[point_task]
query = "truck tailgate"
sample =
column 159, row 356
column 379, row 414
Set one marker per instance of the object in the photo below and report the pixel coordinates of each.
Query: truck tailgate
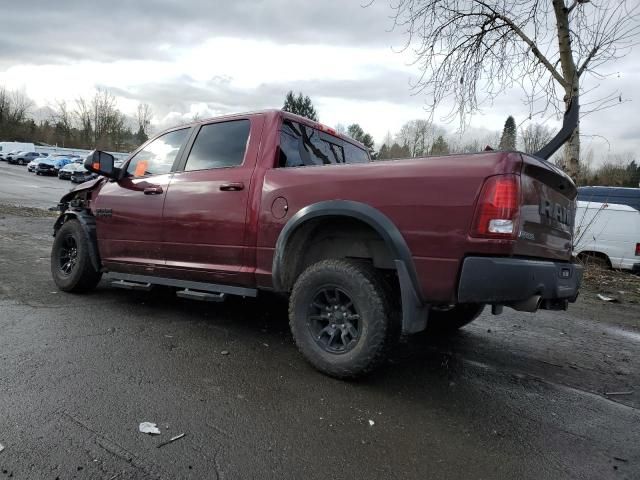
column 547, row 211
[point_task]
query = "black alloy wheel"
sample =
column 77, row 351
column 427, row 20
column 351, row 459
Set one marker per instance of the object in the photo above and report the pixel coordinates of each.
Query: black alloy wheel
column 333, row 320
column 68, row 255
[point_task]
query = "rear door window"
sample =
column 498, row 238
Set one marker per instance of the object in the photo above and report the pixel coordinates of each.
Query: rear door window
column 219, row 145
column 158, row 156
column 355, row 154
column 301, row 145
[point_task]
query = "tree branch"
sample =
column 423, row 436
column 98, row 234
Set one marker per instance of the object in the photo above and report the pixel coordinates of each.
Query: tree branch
column 525, row 38
column 584, row 65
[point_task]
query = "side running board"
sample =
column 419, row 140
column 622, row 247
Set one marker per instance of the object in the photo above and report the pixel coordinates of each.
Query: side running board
column 211, row 292
column 202, row 296
column 131, row 285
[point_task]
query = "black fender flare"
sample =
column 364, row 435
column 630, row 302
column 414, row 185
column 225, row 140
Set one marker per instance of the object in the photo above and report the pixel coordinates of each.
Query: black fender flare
column 414, row 309
column 88, row 223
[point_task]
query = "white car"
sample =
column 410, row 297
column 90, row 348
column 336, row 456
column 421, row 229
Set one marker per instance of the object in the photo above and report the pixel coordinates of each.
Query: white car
column 609, row 234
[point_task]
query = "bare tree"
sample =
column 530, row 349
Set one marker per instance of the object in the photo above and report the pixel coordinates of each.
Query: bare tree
column 418, row 136
column 83, row 114
column 472, row 50
column 5, row 105
column 143, row 119
column 19, row 107
column 106, row 116
column 63, row 120
column 534, row 137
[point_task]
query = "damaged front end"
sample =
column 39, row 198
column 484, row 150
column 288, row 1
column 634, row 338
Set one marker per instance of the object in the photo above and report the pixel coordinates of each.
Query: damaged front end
column 78, row 198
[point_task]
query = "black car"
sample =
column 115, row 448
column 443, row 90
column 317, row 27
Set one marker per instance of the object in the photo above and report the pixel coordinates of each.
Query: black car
column 24, row 158
column 46, row 167
column 82, row 176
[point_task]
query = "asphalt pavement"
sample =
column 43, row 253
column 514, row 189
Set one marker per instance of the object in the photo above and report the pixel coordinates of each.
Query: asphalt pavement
column 18, row 186
column 531, row 396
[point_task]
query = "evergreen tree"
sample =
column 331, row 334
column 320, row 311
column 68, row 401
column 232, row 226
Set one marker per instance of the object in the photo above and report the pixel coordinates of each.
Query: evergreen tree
column 396, row 151
column 300, row 105
column 633, row 175
column 508, row 139
column 440, row 146
column 356, row 132
column 383, row 153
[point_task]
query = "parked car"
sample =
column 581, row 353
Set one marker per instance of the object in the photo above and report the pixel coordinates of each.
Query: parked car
column 608, row 234
column 68, row 170
column 365, row 251
column 60, row 162
column 11, row 155
column 46, row 166
column 82, row 175
column 23, row 158
column 31, row 166
column 618, row 195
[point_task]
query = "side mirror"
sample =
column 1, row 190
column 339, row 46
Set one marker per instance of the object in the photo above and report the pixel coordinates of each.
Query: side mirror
column 101, row 163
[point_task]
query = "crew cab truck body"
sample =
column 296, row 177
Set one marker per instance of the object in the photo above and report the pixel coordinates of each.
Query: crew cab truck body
column 366, row 251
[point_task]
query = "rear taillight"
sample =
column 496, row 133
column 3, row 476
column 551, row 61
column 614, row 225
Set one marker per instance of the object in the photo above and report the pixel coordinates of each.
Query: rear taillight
column 498, row 207
column 637, row 249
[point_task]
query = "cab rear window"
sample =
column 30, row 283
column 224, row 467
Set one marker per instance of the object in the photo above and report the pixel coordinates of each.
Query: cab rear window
column 301, row 145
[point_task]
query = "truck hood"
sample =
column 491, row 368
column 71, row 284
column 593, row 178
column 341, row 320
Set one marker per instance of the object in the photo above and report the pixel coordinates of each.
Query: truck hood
column 86, row 186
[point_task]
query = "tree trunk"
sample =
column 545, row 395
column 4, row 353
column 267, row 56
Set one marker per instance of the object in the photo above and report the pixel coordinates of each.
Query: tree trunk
column 572, row 155
column 571, row 86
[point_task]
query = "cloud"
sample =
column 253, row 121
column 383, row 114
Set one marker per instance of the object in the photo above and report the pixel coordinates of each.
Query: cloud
column 211, row 57
column 75, row 30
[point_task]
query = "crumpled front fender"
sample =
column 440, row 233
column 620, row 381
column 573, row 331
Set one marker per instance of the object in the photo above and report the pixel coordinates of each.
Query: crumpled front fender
column 83, row 187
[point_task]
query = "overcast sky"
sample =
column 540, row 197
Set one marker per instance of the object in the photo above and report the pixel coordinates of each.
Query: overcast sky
column 209, row 57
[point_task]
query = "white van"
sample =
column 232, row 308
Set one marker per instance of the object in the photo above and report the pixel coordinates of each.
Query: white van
column 6, row 147
column 609, row 234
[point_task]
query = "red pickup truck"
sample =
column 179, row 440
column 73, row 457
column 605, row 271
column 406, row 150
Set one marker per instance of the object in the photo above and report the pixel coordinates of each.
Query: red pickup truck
column 365, row 251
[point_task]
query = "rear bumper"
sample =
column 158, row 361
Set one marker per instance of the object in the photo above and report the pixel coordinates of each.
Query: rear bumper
column 503, row 281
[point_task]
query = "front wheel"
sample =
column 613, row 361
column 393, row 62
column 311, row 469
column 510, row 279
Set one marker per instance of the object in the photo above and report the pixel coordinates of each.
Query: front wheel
column 71, row 265
column 340, row 317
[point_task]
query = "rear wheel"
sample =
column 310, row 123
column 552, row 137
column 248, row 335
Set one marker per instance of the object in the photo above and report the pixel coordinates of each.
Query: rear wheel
column 442, row 322
column 340, row 317
column 71, row 264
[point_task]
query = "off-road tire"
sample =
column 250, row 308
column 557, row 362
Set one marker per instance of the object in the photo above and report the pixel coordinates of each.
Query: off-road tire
column 443, row 322
column 370, row 297
column 82, row 276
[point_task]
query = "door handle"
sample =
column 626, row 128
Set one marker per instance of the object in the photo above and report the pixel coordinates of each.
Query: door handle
column 153, row 190
column 232, row 186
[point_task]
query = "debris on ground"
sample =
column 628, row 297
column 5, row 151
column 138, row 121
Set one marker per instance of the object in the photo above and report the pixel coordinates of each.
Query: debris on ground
column 604, row 298
column 171, row 440
column 371, row 423
column 22, row 211
column 150, row 428
column 611, row 283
